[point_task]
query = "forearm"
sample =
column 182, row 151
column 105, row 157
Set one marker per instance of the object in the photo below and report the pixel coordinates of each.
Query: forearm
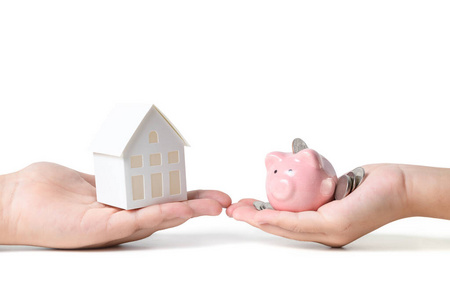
column 428, row 191
column 3, row 183
column 7, row 187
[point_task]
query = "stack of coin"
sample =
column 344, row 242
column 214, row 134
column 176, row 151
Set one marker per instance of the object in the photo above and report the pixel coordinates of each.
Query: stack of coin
column 259, row 205
column 348, row 183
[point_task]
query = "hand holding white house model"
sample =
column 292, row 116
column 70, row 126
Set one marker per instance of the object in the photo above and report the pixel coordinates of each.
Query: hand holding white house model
column 139, row 158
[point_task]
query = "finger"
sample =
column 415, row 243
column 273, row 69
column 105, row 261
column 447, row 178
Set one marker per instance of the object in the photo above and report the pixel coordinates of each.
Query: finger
column 138, row 235
column 243, row 202
column 204, row 207
column 124, row 223
column 246, row 213
column 88, row 177
column 303, row 236
column 230, row 209
column 172, row 218
column 171, row 223
column 264, row 219
column 247, row 201
column 302, row 222
column 141, row 234
column 250, row 215
column 219, row 196
column 152, row 216
column 307, row 221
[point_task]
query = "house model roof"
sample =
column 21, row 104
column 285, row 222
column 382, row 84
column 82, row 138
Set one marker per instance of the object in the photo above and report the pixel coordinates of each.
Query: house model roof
column 120, row 126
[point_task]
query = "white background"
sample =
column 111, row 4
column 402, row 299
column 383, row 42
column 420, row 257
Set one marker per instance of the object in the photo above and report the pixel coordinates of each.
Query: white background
column 360, row 81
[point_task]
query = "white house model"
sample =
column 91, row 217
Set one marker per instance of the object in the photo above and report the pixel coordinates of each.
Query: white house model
column 139, row 158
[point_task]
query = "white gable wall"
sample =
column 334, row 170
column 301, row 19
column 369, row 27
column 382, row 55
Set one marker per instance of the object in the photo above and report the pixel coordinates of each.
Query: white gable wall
column 139, row 145
column 110, row 180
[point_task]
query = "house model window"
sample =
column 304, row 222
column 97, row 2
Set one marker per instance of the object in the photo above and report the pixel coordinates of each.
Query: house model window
column 175, row 187
column 153, row 137
column 137, row 183
column 139, row 158
column 157, row 185
column 173, row 157
column 136, row 161
column 155, row 159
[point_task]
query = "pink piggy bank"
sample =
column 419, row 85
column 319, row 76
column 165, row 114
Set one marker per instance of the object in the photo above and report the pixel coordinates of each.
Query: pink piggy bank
column 299, row 181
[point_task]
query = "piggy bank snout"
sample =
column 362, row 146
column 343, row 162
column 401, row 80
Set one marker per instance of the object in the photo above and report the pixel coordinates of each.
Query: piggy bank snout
column 281, row 189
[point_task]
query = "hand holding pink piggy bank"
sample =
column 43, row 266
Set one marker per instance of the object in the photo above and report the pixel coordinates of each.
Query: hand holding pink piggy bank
column 299, row 181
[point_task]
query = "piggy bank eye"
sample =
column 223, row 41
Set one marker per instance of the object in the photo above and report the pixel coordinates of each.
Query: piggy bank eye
column 290, row 172
column 275, row 172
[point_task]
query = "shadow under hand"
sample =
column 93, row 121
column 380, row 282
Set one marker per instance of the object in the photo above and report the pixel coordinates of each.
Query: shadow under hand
column 175, row 240
column 388, row 242
column 167, row 240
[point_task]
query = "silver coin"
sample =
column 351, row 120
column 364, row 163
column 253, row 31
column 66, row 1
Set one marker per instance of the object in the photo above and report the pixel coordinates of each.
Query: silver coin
column 352, row 177
column 259, row 205
column 298, row 145
column 267, row 205
column 359, row 176
column 343, row 187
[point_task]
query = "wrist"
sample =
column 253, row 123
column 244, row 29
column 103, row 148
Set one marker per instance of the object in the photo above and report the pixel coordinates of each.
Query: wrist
column 428, row 191
column 7, row 187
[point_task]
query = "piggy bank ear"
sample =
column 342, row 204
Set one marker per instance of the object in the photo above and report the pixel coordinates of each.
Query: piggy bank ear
column 273, row 157
column 310, row 157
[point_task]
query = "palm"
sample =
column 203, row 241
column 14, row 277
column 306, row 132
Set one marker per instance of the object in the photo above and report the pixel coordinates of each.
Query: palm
column 373, row 205
column 378, row 201
column 56, row 207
